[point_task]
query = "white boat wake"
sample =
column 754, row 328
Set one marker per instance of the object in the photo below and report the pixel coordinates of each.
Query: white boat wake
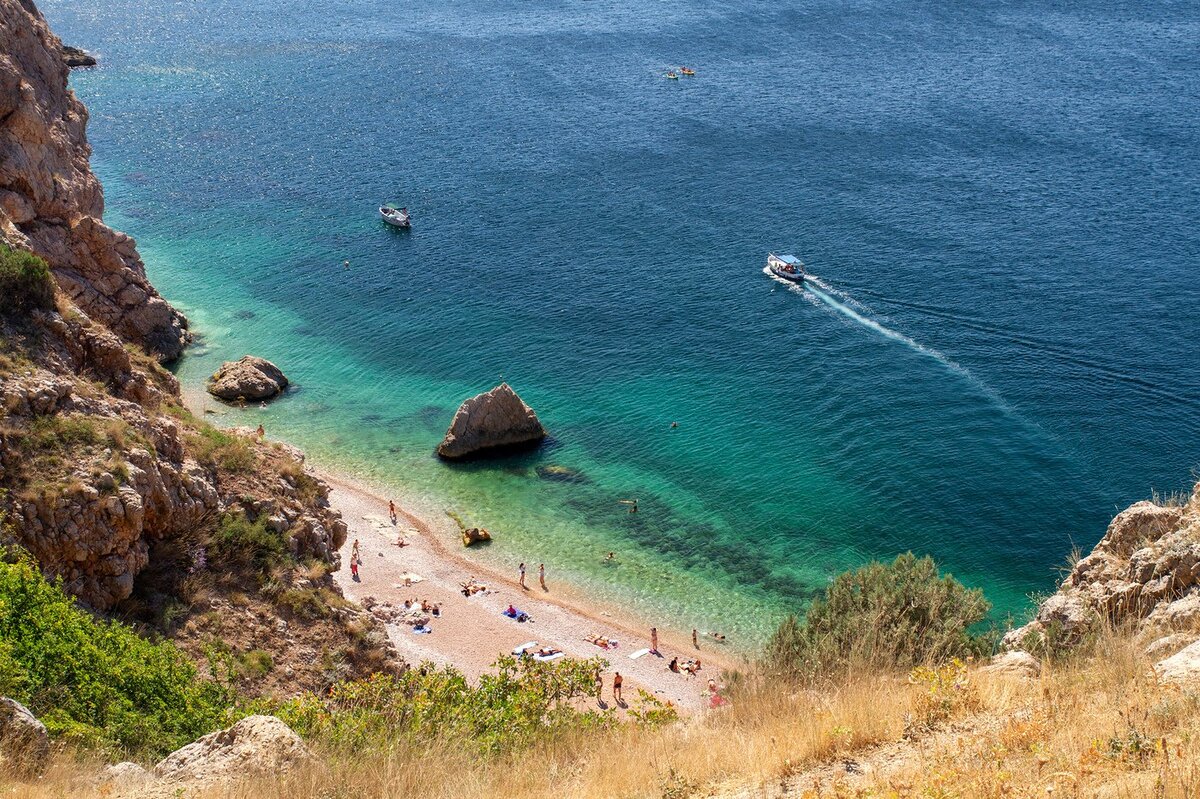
column 814, row 288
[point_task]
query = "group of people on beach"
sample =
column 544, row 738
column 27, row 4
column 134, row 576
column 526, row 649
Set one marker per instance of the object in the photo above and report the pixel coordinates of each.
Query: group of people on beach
column 686, row 666
column 541, row 576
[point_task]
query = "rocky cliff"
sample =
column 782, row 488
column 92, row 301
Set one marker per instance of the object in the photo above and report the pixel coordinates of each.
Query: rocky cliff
column 1144, row 573
column 142, row 510
column 51, row 203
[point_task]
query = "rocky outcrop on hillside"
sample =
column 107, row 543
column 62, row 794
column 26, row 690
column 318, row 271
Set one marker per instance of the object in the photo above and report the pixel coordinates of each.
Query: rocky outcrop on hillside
column 495, row 419
column 52, row 204
column 24, row 741
column 250, row 378
column 130, row 480
column 255, row 746
column 204, row 535
column 1144, row 571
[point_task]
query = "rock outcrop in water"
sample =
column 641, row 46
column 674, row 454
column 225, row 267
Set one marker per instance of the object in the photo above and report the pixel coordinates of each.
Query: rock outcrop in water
column 1144, row 571
column 77, row 57
column 51, row 203
column 250, row 378
column 489, row 421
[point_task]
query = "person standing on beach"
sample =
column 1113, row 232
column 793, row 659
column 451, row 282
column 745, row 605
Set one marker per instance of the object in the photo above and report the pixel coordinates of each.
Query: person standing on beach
column 354, row 570
column 654, row 640
column 542, row 576
column 392, row 511
column 354, row 554
column 259, row 433
column 695, row 638
column 521, row 575
column 617, row 686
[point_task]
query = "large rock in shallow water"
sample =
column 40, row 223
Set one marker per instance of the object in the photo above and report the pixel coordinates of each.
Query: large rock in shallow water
column 24, row 742
column 251, row 378
column 495, row 419
column 256, row 745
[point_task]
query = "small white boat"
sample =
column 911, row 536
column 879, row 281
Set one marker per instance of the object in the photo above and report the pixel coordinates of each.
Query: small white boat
column 788, row 267
column 396, row 217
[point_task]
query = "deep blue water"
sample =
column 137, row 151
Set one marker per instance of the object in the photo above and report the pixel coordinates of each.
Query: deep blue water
column 1000, row 201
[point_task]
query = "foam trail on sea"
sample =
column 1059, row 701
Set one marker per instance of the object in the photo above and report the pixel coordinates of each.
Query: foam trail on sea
column 810, row 288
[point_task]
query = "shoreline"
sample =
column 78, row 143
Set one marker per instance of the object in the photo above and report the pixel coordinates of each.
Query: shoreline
column 561, row 612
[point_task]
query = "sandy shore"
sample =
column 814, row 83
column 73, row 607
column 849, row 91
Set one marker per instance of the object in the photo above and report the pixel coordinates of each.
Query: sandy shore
column 471, row 632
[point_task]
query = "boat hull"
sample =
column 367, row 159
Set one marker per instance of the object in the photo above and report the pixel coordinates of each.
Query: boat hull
column 395, row 220
column 793, row 277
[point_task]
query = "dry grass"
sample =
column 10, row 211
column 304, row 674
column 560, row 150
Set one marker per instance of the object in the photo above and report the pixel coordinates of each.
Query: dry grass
column 1100, row 728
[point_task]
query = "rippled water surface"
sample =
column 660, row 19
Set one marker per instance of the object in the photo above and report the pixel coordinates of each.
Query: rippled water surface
column 1000, row 201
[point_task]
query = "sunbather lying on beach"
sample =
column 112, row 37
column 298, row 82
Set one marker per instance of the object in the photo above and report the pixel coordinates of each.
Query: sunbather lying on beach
column 471, row 588
column 546, row 651
column 601, row 641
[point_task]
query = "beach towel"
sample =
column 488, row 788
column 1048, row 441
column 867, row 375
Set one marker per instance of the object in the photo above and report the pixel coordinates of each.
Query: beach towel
column 547, row 658
column 519, row 615
column 639, row 653
column 407, row 579
column 421, row 629
column 520, row 650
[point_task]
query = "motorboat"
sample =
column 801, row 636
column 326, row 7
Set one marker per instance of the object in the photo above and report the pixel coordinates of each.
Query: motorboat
column 788, row 267
column 396, row 217
column 671, row 75
column 687, row 71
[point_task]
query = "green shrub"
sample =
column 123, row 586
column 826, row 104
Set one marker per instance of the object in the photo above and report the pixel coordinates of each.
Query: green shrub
column 96, row 682
column 254, row 663
column 241, row 542
column 896, row 615
column 522, row 702
column 25, row 282
column 222, row 450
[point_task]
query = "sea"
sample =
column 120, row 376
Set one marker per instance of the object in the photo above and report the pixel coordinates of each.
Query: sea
column 999, row 203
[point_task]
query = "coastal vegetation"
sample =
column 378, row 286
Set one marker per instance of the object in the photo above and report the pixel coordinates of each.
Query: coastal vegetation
column 883, row 616
column 98, row 684
column 25, row 282
column 1095, row 725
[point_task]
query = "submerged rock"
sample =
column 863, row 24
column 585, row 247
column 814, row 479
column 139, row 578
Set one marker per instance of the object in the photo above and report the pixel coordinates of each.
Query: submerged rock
column 497, row 418
column 251, row 378
column 561, row 474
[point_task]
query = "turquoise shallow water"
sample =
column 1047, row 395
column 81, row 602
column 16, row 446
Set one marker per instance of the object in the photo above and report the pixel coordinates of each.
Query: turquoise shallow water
column 1000, row 201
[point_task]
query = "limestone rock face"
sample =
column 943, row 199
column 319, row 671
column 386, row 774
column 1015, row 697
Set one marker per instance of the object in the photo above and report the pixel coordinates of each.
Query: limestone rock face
column 1183, row 667
column 1014, row 664
column 24, row 742
column 1146, row 569
column 51, row 203
column 497, row 418
column 124, row 775
column 251, row 378
column 256, row 745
